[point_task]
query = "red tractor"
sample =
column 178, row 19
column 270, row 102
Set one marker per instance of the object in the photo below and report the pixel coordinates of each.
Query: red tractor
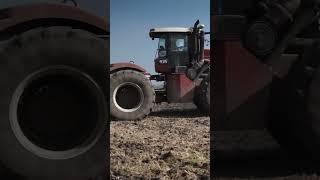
column 53, row 61
column 267, row 70
column 183, row 65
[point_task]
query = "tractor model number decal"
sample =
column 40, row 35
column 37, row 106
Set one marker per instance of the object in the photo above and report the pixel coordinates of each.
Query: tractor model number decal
column 163, row 61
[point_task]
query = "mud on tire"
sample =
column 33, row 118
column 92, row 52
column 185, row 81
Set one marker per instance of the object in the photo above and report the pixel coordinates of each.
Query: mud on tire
column 132, row 96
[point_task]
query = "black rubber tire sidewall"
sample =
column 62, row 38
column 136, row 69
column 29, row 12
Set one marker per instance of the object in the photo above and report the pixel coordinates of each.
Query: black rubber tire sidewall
column 138, row 78
column 29, row 52
column 202, row 96
column 290, row 121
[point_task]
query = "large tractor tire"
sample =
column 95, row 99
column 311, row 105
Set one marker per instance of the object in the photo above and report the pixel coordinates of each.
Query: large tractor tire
column 295, row 107
column 132, row 96
column 52, row 107
column 202, row 96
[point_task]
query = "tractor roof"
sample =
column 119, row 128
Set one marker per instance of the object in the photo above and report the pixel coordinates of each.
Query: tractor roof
column 171, row 29
column 155, row 31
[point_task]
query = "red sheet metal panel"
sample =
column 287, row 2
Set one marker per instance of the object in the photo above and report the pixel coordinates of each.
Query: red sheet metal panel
column 161, row 65
column 16, row 15
column 245, row 75
column 206, row 54
column 180, row 88
column 120, row 66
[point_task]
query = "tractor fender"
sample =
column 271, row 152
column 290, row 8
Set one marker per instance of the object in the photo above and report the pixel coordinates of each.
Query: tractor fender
column 124, row 66
column 25, row 17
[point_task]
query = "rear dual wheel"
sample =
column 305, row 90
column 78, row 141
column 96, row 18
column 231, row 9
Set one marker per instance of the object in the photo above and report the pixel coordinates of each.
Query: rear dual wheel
column 202, row 96
column 132, row 96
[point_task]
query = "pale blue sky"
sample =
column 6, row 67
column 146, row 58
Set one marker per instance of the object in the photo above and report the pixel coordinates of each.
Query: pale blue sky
column 131, row 21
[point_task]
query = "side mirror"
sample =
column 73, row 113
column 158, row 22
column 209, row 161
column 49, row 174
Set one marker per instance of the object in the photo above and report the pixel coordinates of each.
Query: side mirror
column 162, row 53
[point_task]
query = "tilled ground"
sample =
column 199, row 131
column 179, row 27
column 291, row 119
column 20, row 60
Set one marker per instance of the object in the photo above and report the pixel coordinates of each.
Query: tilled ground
column 172, row 143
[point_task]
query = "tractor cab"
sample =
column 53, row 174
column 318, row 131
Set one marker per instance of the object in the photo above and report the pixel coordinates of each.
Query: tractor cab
column 178, row 47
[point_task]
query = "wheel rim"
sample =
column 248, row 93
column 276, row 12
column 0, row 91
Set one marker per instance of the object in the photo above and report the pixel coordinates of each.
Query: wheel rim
column 57, row 112
column 128, row 97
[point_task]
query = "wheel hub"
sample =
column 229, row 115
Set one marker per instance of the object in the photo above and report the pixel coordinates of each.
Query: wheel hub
column 56, row 112
column 128, row 97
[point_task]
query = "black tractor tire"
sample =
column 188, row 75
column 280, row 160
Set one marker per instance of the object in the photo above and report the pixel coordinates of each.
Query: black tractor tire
column 53, row 109
column 295, row 108
column 132, row 96
column 202, row 96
